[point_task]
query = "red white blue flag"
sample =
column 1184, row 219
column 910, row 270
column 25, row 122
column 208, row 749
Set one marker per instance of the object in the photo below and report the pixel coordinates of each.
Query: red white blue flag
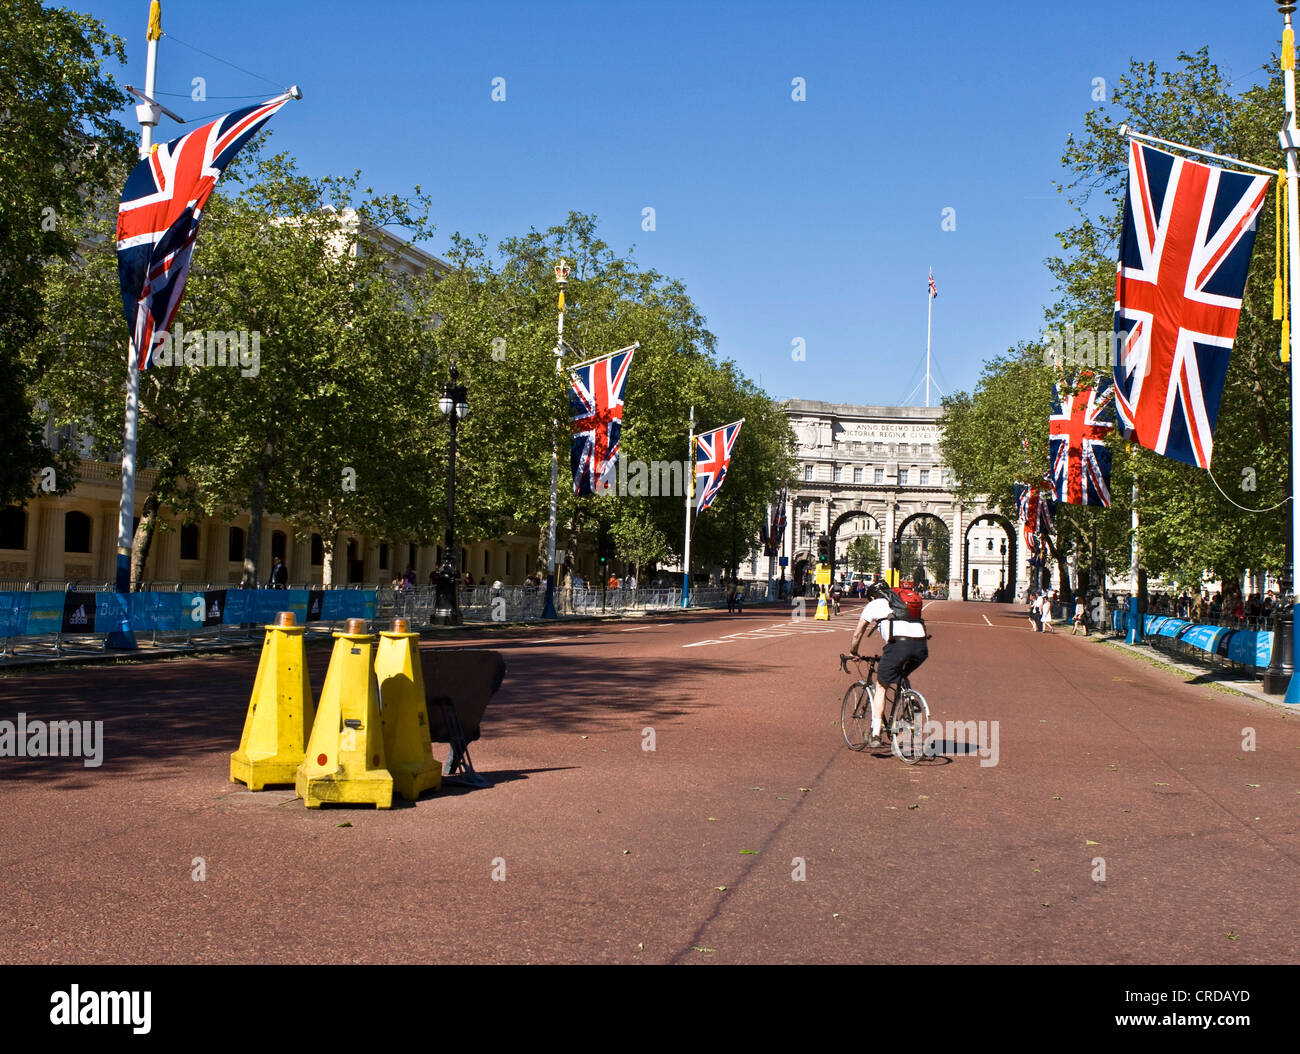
column 1080, row 457
column 1033, row 503
column 1185, row 247
column 158, row 219
column 776, row 535
column 596, row 391
column 712, row 461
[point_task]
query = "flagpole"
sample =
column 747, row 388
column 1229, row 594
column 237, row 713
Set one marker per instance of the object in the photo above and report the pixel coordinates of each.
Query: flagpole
column 1289, row 137
column 929, row 312
column 690, row 495
column 548, row 610
column 148, row 114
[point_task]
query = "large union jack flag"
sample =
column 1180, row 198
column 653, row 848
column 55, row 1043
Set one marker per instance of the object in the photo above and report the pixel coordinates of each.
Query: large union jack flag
column 596, row 392
column 1080, row 458
column 158, row 219
column 713, row 459
column 776, row 535
column 1185, row 247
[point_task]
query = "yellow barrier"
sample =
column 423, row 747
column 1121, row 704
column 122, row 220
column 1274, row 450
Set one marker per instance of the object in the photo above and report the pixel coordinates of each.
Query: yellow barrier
column 344, row 760
column 404, row 713
column 280, row 711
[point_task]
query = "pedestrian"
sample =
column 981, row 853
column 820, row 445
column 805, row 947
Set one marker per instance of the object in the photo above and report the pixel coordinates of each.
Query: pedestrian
column 1047, row 612
column 1036, row 613
column 279, row 575
column 1080, row 620
column 731, row 600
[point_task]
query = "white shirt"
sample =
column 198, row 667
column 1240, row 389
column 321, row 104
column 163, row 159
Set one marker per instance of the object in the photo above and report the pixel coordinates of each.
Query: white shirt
column 880, row 610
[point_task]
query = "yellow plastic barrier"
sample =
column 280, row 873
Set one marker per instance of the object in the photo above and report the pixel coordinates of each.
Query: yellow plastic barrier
column 404, row 713
column 822, row 612
column 344, row 760
column 280, row 711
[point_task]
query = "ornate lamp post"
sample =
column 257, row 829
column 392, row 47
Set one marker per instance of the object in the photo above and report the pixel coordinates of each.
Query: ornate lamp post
column 454, row 405
column 1003, row 583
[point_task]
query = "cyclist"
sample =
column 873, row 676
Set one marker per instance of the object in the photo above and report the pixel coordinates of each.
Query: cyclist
column 905, row 649
column 837, row 591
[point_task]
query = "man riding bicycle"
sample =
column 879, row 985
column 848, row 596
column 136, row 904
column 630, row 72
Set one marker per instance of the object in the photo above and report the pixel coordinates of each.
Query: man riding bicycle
column 905, row 648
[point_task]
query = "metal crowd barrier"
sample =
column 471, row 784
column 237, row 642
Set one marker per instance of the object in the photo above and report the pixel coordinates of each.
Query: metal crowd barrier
column 1237, row 646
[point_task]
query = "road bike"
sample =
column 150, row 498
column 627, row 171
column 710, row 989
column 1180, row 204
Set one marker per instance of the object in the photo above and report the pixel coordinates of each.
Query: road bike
column 905, row 718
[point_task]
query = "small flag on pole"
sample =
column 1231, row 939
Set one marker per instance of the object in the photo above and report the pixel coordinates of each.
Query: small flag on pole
column 714, row 457
column 934, row 292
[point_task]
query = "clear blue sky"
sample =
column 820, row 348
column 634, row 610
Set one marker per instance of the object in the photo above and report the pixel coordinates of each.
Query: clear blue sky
column 815, row 219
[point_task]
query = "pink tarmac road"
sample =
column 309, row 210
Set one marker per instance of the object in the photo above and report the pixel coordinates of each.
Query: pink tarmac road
column 750, row 833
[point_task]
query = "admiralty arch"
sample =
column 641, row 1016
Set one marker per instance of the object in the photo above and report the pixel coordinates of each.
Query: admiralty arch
column 877, row 471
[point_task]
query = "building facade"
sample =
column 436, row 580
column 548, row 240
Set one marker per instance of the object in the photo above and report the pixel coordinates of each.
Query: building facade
column 877, row 471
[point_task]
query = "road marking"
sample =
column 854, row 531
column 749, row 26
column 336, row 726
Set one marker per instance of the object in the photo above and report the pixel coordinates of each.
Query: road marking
column 986, row 619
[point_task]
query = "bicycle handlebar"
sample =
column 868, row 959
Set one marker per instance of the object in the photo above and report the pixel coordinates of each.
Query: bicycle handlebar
column 846, row 659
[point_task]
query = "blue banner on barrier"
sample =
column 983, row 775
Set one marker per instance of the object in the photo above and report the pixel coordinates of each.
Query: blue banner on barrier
column 1171, row 627
column 32, row 614
column 1204, row 637
column 1251, row 647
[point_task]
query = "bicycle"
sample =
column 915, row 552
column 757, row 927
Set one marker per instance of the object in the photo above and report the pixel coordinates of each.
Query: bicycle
column 905, row 718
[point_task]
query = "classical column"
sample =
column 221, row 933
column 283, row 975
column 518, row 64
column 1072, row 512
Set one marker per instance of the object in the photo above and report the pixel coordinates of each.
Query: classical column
column 887, row 555
column 106, row 554
column 300, row 568
column 48, row 560
column 956, row 549
column 216, row 538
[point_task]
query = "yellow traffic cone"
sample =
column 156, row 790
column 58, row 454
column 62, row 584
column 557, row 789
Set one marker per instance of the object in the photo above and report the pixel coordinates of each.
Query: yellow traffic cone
column 822, row 613
column 404, row 714
column 279, row 713
column 344, row 761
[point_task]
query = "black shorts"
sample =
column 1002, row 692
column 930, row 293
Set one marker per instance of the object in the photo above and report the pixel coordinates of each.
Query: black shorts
column 900, row 657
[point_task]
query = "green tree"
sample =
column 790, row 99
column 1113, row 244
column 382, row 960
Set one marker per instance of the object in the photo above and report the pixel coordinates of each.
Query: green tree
column 60, row 149
column 863, row 554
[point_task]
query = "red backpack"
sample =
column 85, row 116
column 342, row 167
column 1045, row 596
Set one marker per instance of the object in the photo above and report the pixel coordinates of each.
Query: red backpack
column 905, row 603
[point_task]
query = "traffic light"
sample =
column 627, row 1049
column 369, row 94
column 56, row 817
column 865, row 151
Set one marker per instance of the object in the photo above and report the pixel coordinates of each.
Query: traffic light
column 895, row 554
column 823, row 549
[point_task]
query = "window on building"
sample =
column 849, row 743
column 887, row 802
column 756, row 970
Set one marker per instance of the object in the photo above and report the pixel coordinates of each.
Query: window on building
column 236, row 545
column 807, row 473
column 317, row 551
column 925, row 449
column 280, row 546
column 925, row 477
column 76, row 532
column 837, row 473
column 902, row 477
column 383, row 556
column 879, row 448
column 857, row 475
column 991, row 548
column 410, row 554
column 902, row 448
column 189, row 541
column 13, row 527
column 879, row 476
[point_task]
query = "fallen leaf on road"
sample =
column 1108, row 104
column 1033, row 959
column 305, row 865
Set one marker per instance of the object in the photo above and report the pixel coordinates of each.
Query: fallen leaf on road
column 1056, row 797
column 756, row 788
column 720, row 889
column 805, row 790
column 582, row 737
column 1232, row 936
column 342, row 825
column 713, row 819
column 782, row 797
column 749, row 852
column 1252, row 784
column 626, row 851
column 1162, row 784
column 697, row 948
column 1089, row 841
column 914, row 806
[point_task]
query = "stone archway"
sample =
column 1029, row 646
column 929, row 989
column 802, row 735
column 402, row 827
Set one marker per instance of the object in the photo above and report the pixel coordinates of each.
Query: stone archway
column 878, row 528
column 926, row 559
column 1012, row 561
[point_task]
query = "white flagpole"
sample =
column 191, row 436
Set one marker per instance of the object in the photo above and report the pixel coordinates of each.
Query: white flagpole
column 548, row 609
column 690, row 496
column 1290, row 139
column 929, row 311
column 148, row 114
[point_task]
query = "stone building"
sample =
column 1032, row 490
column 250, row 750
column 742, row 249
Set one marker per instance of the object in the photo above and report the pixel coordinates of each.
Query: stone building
column 877, row 471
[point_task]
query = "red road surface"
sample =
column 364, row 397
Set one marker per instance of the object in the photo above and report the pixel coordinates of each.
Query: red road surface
column 691, row 852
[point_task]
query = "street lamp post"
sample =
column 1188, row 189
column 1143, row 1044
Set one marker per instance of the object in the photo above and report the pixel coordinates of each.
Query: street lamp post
column 1003, row 582
column 454, row 405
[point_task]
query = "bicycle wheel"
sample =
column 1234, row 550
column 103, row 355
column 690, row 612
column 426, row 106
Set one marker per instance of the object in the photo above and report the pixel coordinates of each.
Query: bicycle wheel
column 913, row 716
column 855, row 715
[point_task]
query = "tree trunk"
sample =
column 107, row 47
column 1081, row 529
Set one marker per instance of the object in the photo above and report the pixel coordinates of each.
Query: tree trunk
column 256, row 506
column 143, row 538
column 327, row 542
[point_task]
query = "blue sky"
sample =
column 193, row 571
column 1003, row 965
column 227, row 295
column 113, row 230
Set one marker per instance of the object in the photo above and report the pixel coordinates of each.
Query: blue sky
column 815, row 220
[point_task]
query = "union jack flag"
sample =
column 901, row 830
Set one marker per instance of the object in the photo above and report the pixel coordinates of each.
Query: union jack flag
column 777, row 533
column 933, row 291
column 714, row 457
column 158, row 219
column 596, row 391
column 1185, row 247
column 1079, row 455
column 1033, row 504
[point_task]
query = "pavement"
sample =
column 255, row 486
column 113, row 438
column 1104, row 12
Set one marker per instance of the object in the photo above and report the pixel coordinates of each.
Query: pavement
column 1109, row 813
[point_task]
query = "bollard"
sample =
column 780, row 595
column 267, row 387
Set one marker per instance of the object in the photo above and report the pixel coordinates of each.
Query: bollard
column 280, row 710
column 404, row 714
column 344, row 760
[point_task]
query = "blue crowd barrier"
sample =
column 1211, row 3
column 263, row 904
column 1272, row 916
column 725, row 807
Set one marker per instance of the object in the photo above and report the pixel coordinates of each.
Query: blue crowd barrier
column 25, row 614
